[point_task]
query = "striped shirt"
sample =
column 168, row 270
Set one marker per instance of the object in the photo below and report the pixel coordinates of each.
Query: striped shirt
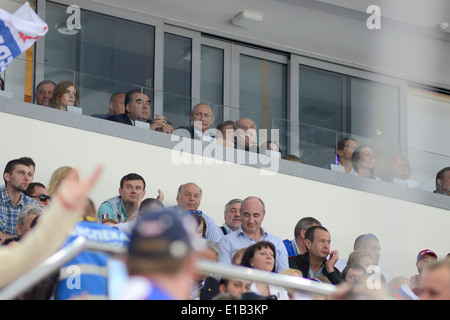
column 10, row 213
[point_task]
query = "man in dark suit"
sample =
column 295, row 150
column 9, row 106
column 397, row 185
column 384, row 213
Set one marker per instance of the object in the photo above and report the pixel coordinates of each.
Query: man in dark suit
column 116, row 106
column 137, row 108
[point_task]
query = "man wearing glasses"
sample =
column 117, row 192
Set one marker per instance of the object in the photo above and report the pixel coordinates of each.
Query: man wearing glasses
column 38, row 192
column 345, row 148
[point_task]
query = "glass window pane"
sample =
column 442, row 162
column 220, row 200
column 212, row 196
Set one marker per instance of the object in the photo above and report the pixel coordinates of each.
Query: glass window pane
column 211, row 84
column 263, row 93
column 107, row 58
column 375, row 110
column 177, row 79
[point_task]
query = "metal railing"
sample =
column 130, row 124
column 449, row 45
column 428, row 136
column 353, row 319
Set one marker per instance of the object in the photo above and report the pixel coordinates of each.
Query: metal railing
column 81, row 244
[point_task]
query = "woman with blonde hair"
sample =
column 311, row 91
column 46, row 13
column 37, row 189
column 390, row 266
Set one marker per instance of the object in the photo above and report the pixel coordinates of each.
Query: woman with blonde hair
column 58, row 175
column 65, row 94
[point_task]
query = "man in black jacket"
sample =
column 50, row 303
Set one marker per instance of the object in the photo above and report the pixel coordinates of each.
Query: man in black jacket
column 314, row 262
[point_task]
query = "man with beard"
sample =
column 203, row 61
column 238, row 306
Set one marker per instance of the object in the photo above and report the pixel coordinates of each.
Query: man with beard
column 17, row 176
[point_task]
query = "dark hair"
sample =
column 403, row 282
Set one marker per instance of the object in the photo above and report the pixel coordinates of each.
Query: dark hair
column 305, row 224
column 311, row 232
column 10, row 239
column 250, row 252
column 148, row 202
column 31, row 187
column 341, row 144
column 11, row 165
column 34, row 221
column 129, row 97
column 2, row 85
column 44, row 82
column 59, row 90
column 352, row 266
column 222, row 125
column 29, row 161
column 131, row 176
column 440, row 175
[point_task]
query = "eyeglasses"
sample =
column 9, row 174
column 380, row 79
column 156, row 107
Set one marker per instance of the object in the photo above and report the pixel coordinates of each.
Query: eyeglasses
column 350, row 146
column 197, row 212
column 43, row 197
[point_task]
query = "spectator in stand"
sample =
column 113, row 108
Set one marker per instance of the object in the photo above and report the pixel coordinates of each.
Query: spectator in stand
column 116, row 106
column 424, row 259
column 200, row 223
column 252, row 215
column 297, row 245
column 138, row 108
column 17, row 176
column 262, row 256
column 370, row 243
column 352, row 272
column 147, row 205
column 44, row 92
column 205, row 286
column 396, row 169
column 237, row 256
column 26, row 216
column 64, row 94
column 202, row 117
column 443, row 182
column 363, row 258
column 245, row 135
column 156, row 271
column 344, row 152
column 236, row 287
column 57, row 177
column 123, row 207
column 314, row 262
column 363, row 162
column 38, row 192
column 189, row 197
column 435, row 282
column 51, row 231
column 270, row 148
column 232, row 216
column 226, row 129
column 295, row 273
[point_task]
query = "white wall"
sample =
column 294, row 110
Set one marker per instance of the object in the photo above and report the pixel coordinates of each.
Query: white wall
column 404, row 228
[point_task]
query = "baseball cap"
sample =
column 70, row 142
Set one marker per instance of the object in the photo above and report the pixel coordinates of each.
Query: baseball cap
column 160, row 236
column 425, row 252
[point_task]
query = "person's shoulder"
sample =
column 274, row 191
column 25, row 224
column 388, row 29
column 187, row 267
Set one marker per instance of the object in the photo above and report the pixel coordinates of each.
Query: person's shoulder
column 28, row 200
column 122, row 118
column 100, row 115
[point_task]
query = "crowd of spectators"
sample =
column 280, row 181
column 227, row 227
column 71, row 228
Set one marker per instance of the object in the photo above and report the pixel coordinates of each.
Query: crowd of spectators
column 163, row 244
column 240, row 240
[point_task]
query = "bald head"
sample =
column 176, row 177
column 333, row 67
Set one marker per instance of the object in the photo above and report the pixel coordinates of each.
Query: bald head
column 189, row 196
